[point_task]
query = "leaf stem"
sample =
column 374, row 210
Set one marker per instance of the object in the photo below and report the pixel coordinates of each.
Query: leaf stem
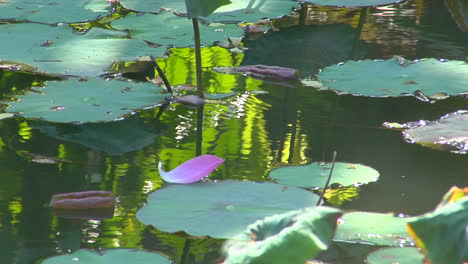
column 328, row 180
column 198, row 60
column 162, row 75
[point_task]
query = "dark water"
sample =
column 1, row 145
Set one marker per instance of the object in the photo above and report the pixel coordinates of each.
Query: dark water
column 254, row 132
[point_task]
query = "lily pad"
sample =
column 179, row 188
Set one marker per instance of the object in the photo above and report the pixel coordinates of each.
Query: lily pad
column 238, row 10
column 448, row 133
column 58, row 50
column 316, row 174
column 397, row 77
column 353, row 3
column 109, row 256
column 373, row 228
column 113, row 138
column 392, row 255
column 166, row 28
column 301, row 233
column 442, row 234
column 198, row 208
column 95, row 100
column 201, row 8
column 50, row 11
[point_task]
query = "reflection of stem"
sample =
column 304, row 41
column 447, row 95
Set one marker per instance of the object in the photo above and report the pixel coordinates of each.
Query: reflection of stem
column 328, row 180
column 184, row 258
column 94, row 158
column 162, row 75
column 303, row 15
column 293, row 127
column 198, row 61
column 357, row 37
column 199, row 139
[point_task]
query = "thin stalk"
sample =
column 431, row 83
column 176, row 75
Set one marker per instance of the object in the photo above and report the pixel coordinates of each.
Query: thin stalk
column 328, row 180
column 198, row 60
column 199, row 136
column 162, row 75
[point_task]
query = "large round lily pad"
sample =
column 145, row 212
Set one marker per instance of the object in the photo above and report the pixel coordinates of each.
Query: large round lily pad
column 396, row 77
column 219, row 209
column 238, row 10
column 59, row 50
column 166, row 28
column 50, row 11
column 109, row 256
column 448, row 133
column 353, row 3
column 374, row 228
column 392, row 255
column 94, row 100
column 316, row 174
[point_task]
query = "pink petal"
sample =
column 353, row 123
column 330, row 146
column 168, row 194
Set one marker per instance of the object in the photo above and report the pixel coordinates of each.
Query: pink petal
column 192, row 170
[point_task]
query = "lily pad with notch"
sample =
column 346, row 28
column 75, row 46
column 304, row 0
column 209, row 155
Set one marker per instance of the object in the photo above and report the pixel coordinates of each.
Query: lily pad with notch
column 108, row 256
column 173, row 30
column 94, row 100
column 49, row 11
column 316, row 174
column 198, row 208
column 397, row 77
column 237, row 11
column 58, row 50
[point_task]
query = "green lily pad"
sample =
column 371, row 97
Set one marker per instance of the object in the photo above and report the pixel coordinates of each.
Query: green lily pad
column 373, row 228
column 316, row 174
column 301, row 233
column 166, row 28
column 448, row 133
column 113, row 138
column 238, row 10
column 50, row 11
column 397, row 77
column 198, row 208
column 59, row 50
column 352, row 3
column 203, row 8
column 95, row 100
column 442, row 234
column 392, row 255
column 108, row 256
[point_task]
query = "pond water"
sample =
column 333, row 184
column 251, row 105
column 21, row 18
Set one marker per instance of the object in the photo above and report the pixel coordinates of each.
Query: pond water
column 262, row 127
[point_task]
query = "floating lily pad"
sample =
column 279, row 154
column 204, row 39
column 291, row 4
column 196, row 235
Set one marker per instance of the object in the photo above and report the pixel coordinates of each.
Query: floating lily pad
column 392, row 255
column 114, row 138
column 448, row 133
column 396, row 77
column 373, row 228
column 316, row 174
column 301, row 233
column 238, row 10
column 50, row 11
column 95, row 100
column 353, row 3
column 442, row 234
column 198, row 208
column 109, row 256
column 166, row 28
column 59, row 50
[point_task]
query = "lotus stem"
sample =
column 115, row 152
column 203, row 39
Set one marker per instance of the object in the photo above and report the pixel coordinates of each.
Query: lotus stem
column 198, row 60
column 328, row 180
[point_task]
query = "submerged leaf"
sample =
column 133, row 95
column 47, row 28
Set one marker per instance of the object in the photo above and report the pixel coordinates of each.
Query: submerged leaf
column 292, row 237
column 397, row 77
column 192, row 170
column 393, row 255
column 83, row 200
column 198, row 208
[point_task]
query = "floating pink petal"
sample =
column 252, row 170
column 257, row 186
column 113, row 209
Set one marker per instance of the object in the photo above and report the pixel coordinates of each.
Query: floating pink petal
column 192, row 170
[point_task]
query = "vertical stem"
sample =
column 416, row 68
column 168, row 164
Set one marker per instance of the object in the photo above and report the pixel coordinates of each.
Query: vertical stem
column 357, row 37
column 328, row 180
column 198, row 61
column 199, row 138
